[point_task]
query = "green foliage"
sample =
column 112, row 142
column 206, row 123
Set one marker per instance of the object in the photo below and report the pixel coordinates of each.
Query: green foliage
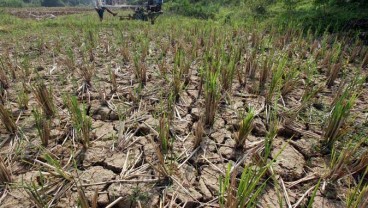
column 198, row 9
column 81, row 122
column 244, row 193
column 11, row 3
column 52, row 3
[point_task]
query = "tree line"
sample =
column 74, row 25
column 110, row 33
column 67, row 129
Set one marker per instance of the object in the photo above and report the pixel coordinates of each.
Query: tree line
column 54, row 3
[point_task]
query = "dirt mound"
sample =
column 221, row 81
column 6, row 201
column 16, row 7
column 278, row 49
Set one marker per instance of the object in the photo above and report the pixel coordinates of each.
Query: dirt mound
column 46, row 13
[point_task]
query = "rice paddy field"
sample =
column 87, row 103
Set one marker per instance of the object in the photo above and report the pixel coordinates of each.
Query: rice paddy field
column 182, row 113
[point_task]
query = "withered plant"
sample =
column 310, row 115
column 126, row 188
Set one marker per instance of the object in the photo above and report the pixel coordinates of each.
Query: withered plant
column 144, row 47
column 45, row 99
column 113, row 81
column 42, row 126
column 339, row 114
column 35, row 194
column 4, row 81
column 81, row 122
column 245, row 127
column 276, row 80
column 355, row 52
column 23, row 98
column 357, row 196
column 180, row 71
column 82, row 198
column 140, row 70
column 164, row 134
column 162, row 67
column 86, row 71
column 333, row 74
column 70, row 59
column 198, row 134
column 125, row 53
column 161, row 166
column 251, row 65
column 5, row 176
column 227, row 75
column 264, row 73
column 365, row 60
column 291, row 79
column 212, row 97
column 8, row 121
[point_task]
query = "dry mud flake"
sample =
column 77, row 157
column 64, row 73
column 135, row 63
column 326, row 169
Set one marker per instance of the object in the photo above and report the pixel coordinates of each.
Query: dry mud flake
column 186, row 192
column 71, row 200
column 122, row 161
column 16, row 199
column 196, row 113
column 228, row 150
column 131, row 194
column 103, row 130
column 208, row 152
column 289, row 163
column 259, row 128
column 219, row 124
column 185, row 195
column 104, row 113
column 307, row 146
column 97, row 174
column 271, row 198
column 210, row 180
column 96, row 154
column 182, row 126
column 19, row 197
column 220, row 135
column 320, row 201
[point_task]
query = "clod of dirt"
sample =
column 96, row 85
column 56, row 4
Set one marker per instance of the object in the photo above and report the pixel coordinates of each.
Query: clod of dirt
column 210, row 177
column 289, row 163
column 70, row 200
column 220, row 135
column 270, row 198
column 188, row 173
column 193, row 93
column 206, row 193
column 227, row 151
column 16, row 196
column 307, row 146
column 259, row 129
column 154, row 123
column 119, row 161
column 97, row 174
column 196, row 113
column 16, row 200
column 96, row 154
column 238, row 104
column 219, row 123
column 320, row 201
column 131, row 193
column 186, row 98
column 103, row 130
column 102, row 113
column 188, row 196
column 182, row 126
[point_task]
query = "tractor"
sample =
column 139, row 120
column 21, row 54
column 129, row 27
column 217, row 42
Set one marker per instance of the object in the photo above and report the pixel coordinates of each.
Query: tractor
column 149, row 11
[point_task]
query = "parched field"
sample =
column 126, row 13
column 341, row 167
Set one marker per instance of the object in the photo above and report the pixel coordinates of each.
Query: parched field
column 43, row 13
column 183, row 113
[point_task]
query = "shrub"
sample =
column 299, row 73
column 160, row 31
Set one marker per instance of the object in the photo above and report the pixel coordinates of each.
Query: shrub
column 201, row 9
column 11, row 3
column 51, row 3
